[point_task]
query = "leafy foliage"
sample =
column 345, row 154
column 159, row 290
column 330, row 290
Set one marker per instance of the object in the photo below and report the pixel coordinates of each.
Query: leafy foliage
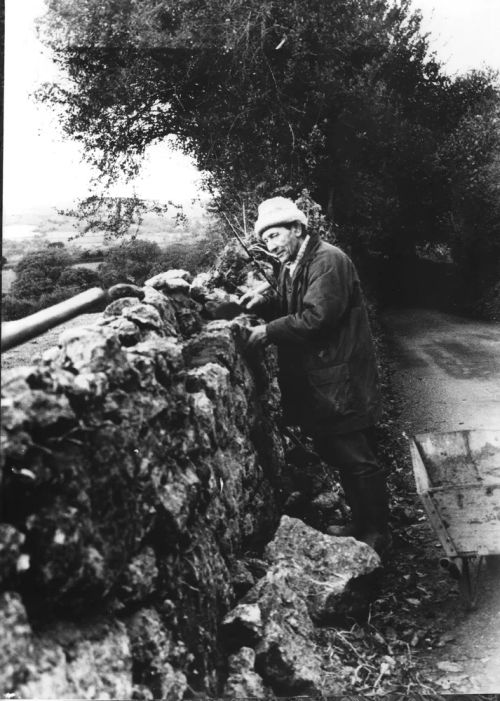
column 471, row 156
column 39, row 271
column 17, row 307
column 342, row 98
column 78, row 277
column 130, row 261
column 45, row 277
column 115, row 217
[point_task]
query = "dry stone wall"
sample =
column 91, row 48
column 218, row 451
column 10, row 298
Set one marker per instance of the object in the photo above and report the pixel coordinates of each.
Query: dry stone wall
column 141, row 462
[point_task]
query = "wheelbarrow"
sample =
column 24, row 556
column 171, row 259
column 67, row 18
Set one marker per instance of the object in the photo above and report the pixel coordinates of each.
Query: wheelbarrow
column 457, row 476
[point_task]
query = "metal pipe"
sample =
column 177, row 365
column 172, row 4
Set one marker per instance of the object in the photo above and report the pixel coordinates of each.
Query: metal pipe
column 16, row 332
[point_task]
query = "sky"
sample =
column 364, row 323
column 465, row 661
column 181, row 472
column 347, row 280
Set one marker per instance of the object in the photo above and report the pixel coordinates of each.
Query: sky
column 41, row 169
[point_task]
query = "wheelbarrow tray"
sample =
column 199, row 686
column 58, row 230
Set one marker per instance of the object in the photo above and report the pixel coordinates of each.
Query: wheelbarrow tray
column 457, row 475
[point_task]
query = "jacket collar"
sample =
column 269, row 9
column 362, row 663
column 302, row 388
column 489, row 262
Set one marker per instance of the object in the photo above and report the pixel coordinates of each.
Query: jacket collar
column 310, row 248
column 292, row 265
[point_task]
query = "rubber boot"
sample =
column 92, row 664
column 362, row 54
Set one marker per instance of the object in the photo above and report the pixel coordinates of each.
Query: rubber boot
column 355, row 527
column 373, row 501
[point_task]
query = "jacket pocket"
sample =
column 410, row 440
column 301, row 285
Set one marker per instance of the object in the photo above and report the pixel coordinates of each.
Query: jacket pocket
column 331, row 390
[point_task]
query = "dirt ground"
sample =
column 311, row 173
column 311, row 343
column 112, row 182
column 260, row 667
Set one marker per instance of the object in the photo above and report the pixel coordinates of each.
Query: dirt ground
column 24, row 354
column 446, row 375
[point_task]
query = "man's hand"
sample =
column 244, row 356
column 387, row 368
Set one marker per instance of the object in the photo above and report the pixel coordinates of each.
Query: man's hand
column 254, row 297
column 251, row 299
column 258, row 337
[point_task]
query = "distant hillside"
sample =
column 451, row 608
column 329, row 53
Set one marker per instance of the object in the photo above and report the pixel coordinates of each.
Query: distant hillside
column 47, row 225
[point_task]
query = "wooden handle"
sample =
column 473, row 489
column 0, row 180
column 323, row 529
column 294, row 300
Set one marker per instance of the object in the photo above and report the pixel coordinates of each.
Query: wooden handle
column 16, row 332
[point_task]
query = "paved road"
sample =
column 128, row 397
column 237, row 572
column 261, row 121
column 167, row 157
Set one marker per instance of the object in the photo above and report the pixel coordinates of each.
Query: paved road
column 448, row 370
column 447, row 373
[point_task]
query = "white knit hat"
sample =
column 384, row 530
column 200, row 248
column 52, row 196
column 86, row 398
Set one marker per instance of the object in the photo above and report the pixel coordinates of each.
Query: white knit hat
column 277, row 211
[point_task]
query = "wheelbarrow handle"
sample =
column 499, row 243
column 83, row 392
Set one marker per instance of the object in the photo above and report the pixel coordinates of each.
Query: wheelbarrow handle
column 16, row 332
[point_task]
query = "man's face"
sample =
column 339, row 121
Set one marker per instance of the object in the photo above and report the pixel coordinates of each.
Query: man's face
column 283, row 241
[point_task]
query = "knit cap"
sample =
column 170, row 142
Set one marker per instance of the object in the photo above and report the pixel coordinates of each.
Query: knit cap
column 277, row 211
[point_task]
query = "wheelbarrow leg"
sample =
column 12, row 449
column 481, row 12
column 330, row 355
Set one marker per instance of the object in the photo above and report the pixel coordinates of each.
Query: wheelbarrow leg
column 470, row 569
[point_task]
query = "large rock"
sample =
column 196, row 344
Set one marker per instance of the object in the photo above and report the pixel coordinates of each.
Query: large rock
column 243, row 682
column 170, row 281
column 337, row 577
column 91, row 661
column 313, row 579
column 16, row 644
column 153, row 652
column 11, row 558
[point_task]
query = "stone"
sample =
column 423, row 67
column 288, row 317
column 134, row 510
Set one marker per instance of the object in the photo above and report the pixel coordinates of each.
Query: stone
column 200, row 286
column 337, row 577
column 163, row 357
column 212, row 378
column 31, row 407
column 118, row 306
column 242, row 578
column 93, row 349
column 138, row 580
column 91, row 384
column 127, row 332
column 287, row 657
column 243, row 626
column 55, row 381
column 165, row 307
column 188, row 317
column 243, row 682
column 171, row 281
column 215, row 344
column 152, row 652
column 11, row 541
column 146, row 316
column 312, row 580
column 172, row 274
column 89, row 662
column 178, row 497
column 125, row 290
column 16, row 645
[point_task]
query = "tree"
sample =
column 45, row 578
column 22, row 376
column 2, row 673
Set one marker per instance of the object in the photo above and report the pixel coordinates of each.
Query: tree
column 79, row 278
column 342, row 98
column 471, row 158
column 261, row 94
column 130, row 261
column 38, row 272
column 115, row 217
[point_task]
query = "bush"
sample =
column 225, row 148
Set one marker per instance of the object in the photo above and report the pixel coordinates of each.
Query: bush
column 131, row 261
column 38, row 272
column 17, row 307
column 196, row 257
column 79, row 277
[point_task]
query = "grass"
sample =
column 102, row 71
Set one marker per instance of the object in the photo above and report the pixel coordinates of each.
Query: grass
column 25, row 353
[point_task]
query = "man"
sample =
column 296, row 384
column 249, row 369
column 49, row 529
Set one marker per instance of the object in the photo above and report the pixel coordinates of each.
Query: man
column 327, row 367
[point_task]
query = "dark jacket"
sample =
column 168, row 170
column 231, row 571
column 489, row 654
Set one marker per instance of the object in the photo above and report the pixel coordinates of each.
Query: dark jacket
column 327, row 367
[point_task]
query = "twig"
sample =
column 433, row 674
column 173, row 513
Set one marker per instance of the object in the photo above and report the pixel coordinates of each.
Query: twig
column 250, row 256
column 346, row 642
column 244, row 221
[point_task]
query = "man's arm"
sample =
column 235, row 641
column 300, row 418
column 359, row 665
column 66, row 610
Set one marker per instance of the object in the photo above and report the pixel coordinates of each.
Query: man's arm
column 329, row 287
